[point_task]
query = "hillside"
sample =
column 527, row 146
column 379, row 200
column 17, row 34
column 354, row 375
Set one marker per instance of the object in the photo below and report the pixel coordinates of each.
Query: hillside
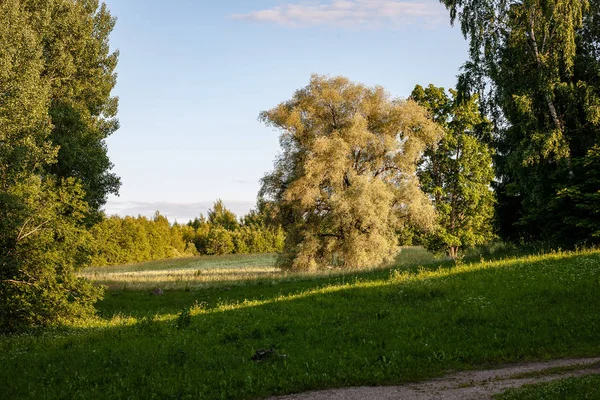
column 390, row 326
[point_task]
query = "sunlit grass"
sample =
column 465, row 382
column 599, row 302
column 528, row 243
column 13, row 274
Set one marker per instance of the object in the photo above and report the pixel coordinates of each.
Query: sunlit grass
column 200, row 272
column 417, row 268
column 201, row 262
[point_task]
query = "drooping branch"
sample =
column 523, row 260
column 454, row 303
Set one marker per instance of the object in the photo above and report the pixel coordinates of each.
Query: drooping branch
column 22, row 235
column 17, row 282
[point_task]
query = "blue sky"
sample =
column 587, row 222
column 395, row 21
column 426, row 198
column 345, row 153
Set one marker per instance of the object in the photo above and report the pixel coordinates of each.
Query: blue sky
column 194, row 75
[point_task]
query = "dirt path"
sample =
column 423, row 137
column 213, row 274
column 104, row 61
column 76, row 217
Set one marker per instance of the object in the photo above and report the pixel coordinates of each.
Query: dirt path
column 467, row 385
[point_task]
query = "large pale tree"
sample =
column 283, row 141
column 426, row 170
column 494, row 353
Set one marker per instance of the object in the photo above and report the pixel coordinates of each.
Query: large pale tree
column 346, row 178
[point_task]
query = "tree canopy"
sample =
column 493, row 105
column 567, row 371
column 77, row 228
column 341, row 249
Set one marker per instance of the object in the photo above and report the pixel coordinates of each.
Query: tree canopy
column 535, row 65
column 457, row 172
column 42, row 240
column 78, row 67
column 222, row 216
column 346, row 177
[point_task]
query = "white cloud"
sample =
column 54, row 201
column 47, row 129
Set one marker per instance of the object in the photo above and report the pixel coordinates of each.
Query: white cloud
column 351, row 13
column 182, row 212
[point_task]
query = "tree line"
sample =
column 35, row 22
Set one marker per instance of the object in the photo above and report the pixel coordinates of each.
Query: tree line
column 122, row 240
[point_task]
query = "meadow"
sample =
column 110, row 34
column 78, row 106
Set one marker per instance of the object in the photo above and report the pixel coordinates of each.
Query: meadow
column 417, row 319
column 186, row 273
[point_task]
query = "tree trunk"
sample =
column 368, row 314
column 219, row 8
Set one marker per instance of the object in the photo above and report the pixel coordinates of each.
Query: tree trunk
column 453, row 252
column 538, row 60
column 549, row 102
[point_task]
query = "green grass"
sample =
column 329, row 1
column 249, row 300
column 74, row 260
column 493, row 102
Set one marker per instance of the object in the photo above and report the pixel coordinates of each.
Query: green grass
column 185, row 273
column 208, row 271
column 360, row 328
column 582, row 388
column 236, row 261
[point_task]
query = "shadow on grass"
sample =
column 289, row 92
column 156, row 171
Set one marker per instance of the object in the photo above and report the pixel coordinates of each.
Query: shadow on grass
column 141, row 302
column 369, row 332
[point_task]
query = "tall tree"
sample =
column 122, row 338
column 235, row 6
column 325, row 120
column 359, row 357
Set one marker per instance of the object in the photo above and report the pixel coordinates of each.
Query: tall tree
column 457, row 172
column 41, row 242
column 79, row 67
column 346, row 178
column 536, row 64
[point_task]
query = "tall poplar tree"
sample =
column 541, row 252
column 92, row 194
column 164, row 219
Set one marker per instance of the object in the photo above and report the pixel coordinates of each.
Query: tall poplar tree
column 80, row 70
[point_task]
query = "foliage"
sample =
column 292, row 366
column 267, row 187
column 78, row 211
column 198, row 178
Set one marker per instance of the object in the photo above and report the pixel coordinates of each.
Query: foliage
column 42, row 247
column 124, row 240
column 128, row 240
column 582, row 197
column 79, row 68
column 42, row 243
column 219, row 241
column 457, row 172
column 535, row 63
column 384, row 327
column 221, row 216
column 346, row 180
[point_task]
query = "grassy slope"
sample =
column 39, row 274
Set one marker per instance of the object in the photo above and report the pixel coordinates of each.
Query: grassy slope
column 372, row 328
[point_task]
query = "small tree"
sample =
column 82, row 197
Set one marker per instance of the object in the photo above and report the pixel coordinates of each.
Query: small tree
column 222, row 216
column 458, row 172
column 346, row 179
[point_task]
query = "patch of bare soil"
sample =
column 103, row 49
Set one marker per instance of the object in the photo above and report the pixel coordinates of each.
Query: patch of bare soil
column 468, row 385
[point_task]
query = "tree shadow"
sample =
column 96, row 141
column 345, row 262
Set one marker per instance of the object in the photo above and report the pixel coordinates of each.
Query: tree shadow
column 143, row 303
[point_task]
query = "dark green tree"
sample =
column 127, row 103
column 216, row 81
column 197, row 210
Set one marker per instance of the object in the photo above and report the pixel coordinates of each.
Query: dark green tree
column 457, row 172
column 41, row 239
column 535, row 63
column 197, row 222
column 79, row 68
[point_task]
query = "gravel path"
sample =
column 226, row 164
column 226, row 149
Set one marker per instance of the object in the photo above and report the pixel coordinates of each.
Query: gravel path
column 468, row 385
